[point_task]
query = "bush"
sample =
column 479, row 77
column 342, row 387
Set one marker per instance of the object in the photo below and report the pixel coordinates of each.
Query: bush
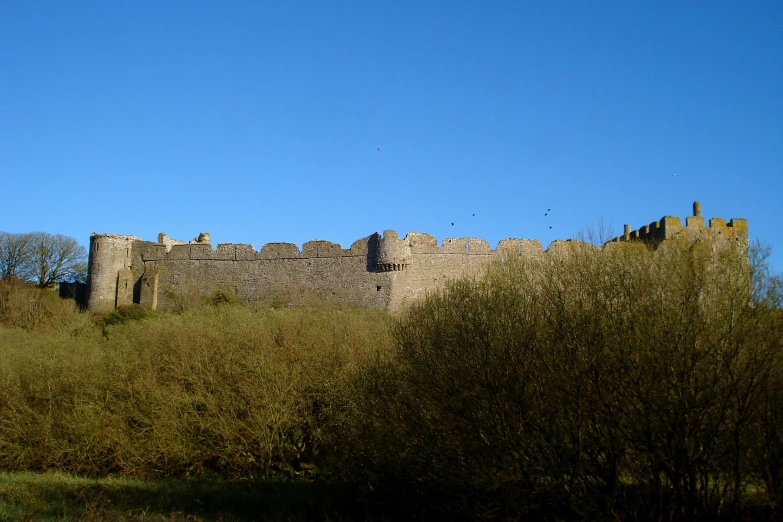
column 123, row 314
column 222, row 297
column 578, row 384
column 223, row 391
column 22, row 305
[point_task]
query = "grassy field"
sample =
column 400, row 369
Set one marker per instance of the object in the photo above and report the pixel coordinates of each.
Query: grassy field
column 61, row 497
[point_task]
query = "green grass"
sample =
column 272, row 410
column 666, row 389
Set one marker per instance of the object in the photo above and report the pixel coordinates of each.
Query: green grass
column 58, row 496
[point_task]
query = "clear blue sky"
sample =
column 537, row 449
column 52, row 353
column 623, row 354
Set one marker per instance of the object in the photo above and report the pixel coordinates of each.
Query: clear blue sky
column 260, row 121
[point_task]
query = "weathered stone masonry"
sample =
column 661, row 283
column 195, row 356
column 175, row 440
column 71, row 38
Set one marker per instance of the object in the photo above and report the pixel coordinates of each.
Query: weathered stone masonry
column 379, row 271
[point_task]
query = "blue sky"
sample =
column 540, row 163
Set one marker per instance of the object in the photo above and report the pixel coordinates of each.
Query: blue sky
column 261, row 121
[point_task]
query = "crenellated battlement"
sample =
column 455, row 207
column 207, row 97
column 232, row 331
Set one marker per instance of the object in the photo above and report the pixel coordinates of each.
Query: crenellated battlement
column 669, row 226
column 379, row 270
column 392, row 250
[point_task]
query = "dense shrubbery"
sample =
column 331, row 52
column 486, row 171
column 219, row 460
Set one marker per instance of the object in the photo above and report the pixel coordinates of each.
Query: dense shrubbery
column 227, row 391
column 24, row 306
column 618, row 384
column 121, row 315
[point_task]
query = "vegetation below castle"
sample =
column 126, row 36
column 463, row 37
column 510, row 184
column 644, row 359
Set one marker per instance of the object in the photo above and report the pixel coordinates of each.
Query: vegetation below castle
column 615, row 384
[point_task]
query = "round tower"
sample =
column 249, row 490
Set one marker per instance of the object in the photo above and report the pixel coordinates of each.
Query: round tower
column 394, row 254
column 109, row 254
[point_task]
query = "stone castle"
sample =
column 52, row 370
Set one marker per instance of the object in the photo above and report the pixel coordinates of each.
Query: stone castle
column 380, row 271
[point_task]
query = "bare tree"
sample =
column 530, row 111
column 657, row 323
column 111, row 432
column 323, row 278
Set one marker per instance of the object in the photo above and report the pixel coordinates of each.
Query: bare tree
column 54, row 257
column 596, row 234
column 14, row 255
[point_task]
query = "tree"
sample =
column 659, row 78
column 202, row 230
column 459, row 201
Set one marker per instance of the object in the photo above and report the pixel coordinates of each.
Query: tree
column 53, row 258
column 14, row 255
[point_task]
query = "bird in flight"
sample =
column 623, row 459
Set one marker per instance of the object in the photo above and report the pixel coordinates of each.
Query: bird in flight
column 379, row 149
column 474, row 215
column 452, row 224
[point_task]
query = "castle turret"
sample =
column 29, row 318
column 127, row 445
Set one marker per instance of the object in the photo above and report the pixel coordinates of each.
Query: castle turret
column 109, row 274
column 394, row 254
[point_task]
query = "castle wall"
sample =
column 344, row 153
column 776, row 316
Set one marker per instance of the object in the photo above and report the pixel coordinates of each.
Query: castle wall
column 717, row 230
column 375, row 272
column 277, row 272
column 431, row 266
column 341, row 278
column 378, row 271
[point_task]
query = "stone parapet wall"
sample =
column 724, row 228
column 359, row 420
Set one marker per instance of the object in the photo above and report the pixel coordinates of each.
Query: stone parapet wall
column 669, row 226
column 380, row 271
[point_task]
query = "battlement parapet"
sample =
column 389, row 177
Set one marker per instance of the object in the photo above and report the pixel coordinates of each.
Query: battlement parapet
column 520, row 247
column 669, row 226
column 167, row 248
column 389, row 249
column 465, row 246
column 361, row 247
column 228, row 251
column 279, row 251
column 559, row 246
column 318, row 248
column 422, row 243
column 321, row 248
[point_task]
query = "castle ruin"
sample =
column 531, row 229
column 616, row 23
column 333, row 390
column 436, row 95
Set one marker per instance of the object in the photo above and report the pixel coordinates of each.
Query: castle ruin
column 378, row 271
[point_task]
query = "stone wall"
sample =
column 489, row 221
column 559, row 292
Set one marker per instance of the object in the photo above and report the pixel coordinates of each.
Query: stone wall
column 657, row 231
column 277, row 272
column 378, row 271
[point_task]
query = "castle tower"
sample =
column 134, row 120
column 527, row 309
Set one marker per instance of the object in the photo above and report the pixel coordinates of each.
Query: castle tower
column 394, row 254
column 109, row 275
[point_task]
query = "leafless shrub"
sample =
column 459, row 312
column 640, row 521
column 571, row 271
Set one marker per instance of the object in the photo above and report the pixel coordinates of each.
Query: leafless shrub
column 228, row 391
column 600, row 381
column 22, row 305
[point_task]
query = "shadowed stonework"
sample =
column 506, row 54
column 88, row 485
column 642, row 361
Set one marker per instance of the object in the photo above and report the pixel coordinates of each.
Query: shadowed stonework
column 379, row 271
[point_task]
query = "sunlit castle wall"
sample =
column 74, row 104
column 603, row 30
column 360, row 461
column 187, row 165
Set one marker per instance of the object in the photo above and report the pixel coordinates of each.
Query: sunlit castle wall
column 378, row 271
column 718, row 230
